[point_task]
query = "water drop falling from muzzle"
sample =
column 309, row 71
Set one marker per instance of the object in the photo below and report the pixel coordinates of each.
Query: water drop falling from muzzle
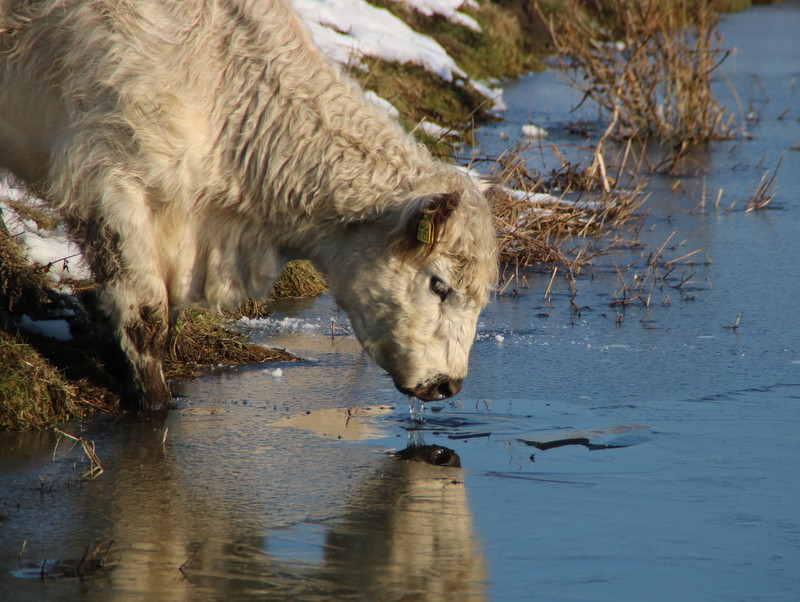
column 416, row 408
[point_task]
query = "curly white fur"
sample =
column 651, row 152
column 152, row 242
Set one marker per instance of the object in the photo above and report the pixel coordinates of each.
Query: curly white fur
column 194, row 147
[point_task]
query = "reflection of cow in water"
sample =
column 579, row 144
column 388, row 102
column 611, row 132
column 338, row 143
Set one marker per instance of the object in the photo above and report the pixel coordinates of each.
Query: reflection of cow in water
column 196, row 146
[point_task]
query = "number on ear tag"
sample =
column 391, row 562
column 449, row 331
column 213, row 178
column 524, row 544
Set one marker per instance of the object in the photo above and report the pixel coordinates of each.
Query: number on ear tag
column 425, row 231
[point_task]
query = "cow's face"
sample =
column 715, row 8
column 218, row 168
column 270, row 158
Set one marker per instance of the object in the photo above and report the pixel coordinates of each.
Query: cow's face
column 413, row 294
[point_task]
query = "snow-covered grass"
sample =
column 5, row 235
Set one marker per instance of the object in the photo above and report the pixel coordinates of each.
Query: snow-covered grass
column 356, row 34
column 348, row 30
column 449, row 9
column 48, row 247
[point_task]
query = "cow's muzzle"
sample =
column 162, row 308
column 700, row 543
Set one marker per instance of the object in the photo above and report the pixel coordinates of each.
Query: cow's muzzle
column 439, row 387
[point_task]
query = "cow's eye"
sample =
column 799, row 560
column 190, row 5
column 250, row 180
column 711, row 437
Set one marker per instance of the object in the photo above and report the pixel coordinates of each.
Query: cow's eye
column 439, row 287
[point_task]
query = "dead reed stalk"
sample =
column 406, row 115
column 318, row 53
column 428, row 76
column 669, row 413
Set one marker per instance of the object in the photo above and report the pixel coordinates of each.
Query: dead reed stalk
column 765, row 191
column 95, row 468
column 655, row 276
column 564, row 230
column 648, row 64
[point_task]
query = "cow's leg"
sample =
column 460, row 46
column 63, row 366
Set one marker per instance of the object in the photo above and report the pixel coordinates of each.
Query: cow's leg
column 138, row 310
column 123, row 256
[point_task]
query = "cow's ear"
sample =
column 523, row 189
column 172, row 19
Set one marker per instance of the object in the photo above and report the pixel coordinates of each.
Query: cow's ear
column 422, row 224
column 428, row 224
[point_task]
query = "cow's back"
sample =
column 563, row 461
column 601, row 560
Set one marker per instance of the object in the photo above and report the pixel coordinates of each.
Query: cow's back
column 208, row 102
column 216, row 128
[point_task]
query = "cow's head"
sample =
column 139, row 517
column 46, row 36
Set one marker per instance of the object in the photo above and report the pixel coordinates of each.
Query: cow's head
column 413, row 283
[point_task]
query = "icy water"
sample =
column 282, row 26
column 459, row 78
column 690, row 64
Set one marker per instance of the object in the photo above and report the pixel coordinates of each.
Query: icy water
column 641, row 457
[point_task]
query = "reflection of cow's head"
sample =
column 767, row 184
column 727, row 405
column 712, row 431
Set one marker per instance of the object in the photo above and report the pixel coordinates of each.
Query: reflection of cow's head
column 413, row 283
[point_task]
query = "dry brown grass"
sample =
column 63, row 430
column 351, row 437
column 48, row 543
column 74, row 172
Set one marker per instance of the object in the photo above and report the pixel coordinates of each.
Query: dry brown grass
column 34, row 391
column 765, row 191
column 564, row 221
column 649, row 65
column 566, row 235
column 34, row 394
column 298, row 279
column 201, row 341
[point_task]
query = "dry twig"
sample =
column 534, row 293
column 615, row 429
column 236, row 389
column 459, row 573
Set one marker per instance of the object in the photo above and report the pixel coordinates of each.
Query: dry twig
column 649, row 65
column 95, row 468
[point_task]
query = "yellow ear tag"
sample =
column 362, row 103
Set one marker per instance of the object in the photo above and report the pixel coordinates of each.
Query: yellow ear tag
column 425, row 231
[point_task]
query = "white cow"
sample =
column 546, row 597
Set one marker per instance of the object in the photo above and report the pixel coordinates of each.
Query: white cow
column 194, row 147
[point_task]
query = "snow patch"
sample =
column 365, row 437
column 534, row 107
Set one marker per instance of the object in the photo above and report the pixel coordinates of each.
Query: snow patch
column 447, row 9
column 54, row 249
column 433, row 130
column 279, row 325
column 347, row 30
column 382, row 103
column 533, row 131
column 45, row 247
column 493, row 94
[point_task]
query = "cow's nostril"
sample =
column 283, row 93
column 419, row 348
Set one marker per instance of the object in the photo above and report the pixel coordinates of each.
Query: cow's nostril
column 448, row 388
column 440, row 387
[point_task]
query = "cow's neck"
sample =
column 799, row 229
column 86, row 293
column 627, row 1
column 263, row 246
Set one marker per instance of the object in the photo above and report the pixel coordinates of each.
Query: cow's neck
column 308, row 145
